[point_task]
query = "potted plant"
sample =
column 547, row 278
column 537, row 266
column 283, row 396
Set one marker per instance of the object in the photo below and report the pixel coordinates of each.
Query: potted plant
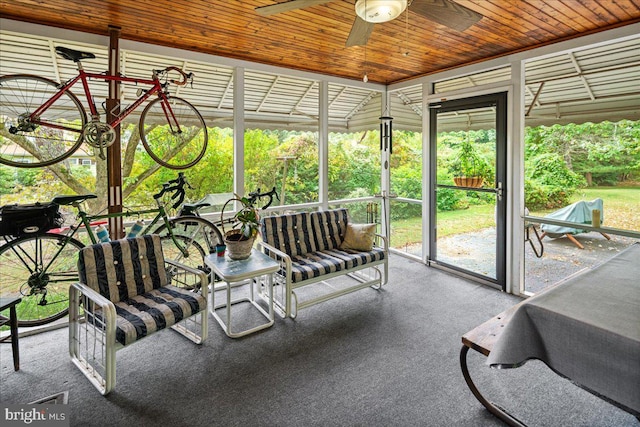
column 469, row 167
column 244, row 229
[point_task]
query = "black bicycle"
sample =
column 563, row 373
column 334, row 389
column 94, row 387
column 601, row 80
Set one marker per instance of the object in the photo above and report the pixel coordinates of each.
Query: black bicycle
column 39, row 256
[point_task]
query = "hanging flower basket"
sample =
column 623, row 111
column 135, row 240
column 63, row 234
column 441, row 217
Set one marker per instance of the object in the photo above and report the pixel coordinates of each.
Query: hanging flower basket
column 468, row 167
column 240, row 238
column 468, row 181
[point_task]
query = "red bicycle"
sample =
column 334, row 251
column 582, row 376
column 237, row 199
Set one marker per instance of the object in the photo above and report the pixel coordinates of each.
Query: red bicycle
column 43, row 122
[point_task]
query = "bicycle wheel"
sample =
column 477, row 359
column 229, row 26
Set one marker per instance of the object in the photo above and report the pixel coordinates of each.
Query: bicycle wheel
column 53, row 136
column 197, row 235
column 195, row 252
column 173, row 132
column 45, row 294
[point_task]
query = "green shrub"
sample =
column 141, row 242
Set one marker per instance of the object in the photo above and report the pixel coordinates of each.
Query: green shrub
column 606, row 179
column 449, row 199
column 410, row 210
column 541, row 196
column 7, row 180
column 549, row 183
column 407, row 182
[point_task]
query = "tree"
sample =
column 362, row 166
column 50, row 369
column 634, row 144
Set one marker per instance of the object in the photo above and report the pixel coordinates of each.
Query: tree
column 302, row 180
column 557, row 159
column 141, row 175
column 604, row 153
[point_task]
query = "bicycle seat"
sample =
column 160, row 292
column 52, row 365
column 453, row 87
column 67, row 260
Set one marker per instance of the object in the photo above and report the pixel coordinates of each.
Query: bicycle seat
column 190, row 208
column 73, row 55
column 67, row 200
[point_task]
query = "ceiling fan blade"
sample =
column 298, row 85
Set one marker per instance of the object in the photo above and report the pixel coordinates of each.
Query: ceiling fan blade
column 360, row 32
column 446, row 12
column 287, row 6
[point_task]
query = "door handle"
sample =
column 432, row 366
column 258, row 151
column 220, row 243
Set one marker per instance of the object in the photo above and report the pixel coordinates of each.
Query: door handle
column 498, row 191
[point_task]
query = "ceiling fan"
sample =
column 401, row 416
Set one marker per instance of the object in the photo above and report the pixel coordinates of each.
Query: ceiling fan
column 370, row 12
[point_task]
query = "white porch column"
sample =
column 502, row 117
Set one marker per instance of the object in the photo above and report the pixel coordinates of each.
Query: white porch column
column 323, row 145
column 238, row 131
column 515, row 181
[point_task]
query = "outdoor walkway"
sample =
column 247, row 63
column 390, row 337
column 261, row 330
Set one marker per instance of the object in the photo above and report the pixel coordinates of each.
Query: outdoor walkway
column 561, row 258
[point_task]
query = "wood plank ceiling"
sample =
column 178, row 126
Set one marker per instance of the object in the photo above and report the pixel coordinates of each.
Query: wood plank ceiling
column 313, row 39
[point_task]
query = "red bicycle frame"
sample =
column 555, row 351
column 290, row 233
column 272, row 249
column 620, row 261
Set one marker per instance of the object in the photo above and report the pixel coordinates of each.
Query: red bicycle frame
column 156, row 87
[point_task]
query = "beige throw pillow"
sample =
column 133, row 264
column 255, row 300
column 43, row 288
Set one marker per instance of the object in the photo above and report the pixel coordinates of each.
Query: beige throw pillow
column 359, row 237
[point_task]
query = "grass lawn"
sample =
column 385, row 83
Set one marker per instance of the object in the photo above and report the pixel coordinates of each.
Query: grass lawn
column 621, row 205
column 621, row 210
column 408, row 231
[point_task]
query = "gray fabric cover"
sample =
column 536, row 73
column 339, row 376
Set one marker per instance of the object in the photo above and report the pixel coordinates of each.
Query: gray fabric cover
column 578, row 212
column 586, row 329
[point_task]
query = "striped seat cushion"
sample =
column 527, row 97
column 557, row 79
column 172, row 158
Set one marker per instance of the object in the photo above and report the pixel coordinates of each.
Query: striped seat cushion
column 314, row 264
column 158, row 309
column 301, row 233
column 122, row 269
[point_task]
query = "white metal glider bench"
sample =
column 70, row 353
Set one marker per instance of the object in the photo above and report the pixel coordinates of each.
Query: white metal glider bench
column 314, row 247
column 128, row 291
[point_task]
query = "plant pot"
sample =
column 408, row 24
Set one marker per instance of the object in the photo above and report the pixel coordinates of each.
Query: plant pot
column 468, row 181
column 238, row 246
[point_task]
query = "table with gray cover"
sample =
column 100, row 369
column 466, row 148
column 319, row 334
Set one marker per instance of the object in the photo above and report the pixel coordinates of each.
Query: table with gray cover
column 586, row 329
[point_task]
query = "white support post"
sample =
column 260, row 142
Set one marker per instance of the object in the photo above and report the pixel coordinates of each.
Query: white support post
column 238, row 131
column 323, row 145
column 515, row 181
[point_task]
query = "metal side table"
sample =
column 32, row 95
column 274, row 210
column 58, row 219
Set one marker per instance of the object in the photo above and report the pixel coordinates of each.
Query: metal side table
column 236, row 273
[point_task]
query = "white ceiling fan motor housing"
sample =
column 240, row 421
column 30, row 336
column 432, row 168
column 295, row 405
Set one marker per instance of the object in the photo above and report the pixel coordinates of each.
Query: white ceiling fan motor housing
column 376, row 11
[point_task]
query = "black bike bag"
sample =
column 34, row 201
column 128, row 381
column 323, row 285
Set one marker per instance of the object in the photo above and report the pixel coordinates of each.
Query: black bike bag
column 18, row 220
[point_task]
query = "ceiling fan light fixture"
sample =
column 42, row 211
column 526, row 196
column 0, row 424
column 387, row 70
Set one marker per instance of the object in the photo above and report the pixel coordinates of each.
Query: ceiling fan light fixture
column 376, row 11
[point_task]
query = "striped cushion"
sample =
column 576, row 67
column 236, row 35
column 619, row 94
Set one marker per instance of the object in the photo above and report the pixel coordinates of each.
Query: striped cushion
column 301, row 233
column 315, row 264
column 161, row 308
column 145, row 314
column 122, row 269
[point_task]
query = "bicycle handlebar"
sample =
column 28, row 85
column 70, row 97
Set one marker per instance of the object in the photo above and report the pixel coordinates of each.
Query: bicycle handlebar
column 186, row 77
column 177, row 186
column 256, row 195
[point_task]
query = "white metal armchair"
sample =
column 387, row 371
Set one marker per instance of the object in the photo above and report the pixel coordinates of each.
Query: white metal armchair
column 128, row 291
